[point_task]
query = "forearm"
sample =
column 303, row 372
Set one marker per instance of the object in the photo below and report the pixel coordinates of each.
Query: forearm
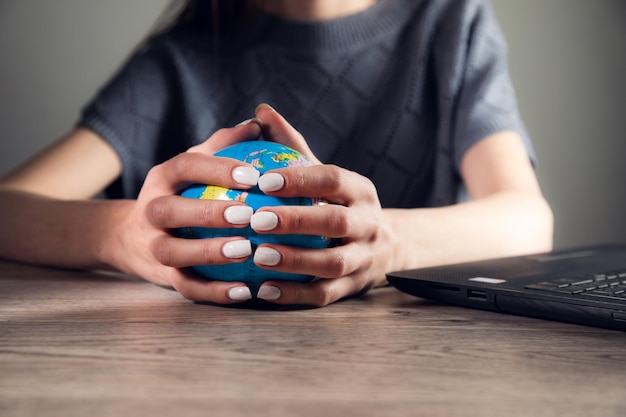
column 506, row 223
column 54, row 232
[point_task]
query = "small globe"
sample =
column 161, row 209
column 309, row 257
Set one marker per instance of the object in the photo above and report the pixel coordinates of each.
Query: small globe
column 264, row 156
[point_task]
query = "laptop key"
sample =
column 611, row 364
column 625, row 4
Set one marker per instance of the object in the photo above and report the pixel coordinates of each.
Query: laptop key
column 552, row 289
column 582, row 282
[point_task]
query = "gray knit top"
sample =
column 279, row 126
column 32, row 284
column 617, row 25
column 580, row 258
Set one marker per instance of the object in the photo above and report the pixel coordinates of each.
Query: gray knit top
column 398, row 92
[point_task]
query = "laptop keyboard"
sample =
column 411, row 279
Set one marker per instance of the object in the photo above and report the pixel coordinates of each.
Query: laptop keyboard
column 610, row 286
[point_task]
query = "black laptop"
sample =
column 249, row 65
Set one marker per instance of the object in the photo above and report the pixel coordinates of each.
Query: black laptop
column 583, row 285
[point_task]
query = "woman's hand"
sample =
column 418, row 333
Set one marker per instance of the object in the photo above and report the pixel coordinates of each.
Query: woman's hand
column 141, row 241
column 354, row 218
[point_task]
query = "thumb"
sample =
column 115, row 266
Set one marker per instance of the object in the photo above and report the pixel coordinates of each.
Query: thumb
column 277, row 129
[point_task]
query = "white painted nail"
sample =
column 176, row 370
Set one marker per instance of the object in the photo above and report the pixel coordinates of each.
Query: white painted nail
column 266, row 256
column 246, row 175
column 236, row 249
column 269, row 292
column 271, row 182
column 263, row 221
column 239, row 294
column 252, row 120
column 260, row 106
column 238, row 214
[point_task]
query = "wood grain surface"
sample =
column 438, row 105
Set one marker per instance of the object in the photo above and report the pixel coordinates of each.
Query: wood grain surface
column 88, row 344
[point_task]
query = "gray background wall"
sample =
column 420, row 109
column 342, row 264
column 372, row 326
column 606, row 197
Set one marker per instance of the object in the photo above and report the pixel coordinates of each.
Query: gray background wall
column 567, row 58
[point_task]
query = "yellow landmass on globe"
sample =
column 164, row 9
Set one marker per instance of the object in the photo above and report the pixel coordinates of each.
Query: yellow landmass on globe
column 281, row 157
column 215, row 192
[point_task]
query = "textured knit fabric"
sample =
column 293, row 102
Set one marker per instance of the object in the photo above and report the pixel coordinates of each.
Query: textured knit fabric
column 398, row 93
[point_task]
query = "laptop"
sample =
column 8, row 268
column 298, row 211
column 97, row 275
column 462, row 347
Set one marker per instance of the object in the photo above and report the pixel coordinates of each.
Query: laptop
column 585, row 285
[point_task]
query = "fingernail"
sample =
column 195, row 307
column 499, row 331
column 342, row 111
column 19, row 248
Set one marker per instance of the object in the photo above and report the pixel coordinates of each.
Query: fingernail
column 237, row 249
column 263, row 221
column 269, row 292
column 266, row 256
column 239, row 294
column 271, row 182
column 260, row 106
column 252, row 120
column 246, row 175
column 238, row 214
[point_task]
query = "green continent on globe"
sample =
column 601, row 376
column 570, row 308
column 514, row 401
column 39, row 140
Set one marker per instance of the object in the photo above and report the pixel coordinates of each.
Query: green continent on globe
column 264, row 156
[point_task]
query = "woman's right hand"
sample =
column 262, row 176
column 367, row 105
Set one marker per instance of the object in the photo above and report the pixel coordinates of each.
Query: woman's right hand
column 141, row 240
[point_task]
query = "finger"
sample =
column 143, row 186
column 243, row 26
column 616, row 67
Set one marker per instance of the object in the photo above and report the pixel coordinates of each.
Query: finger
column 201, row 290
column 330, row 182
column 318, row 293
column 171, row 212
column 193, row 167
column 277, row 129
column 181, row 253
column 247, row 130
column 324, row 263
column 330, row 220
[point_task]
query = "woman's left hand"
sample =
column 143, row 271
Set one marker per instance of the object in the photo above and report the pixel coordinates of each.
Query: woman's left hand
column 353, row 217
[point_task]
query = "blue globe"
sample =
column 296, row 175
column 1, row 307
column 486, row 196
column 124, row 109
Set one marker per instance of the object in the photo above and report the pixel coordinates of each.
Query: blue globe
column 264, row 156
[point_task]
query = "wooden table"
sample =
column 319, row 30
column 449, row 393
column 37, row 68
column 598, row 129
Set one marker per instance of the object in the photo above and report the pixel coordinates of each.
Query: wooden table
column 87, row 344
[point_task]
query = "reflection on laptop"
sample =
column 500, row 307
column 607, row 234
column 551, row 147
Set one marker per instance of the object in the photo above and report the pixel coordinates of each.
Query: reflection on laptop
column 584, row 285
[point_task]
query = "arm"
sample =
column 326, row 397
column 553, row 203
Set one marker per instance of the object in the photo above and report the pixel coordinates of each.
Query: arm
column 40, row 199
column 507, row 215
column 46, row 218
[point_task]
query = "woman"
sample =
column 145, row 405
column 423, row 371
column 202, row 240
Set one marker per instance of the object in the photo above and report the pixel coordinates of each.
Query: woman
column 407, row 103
